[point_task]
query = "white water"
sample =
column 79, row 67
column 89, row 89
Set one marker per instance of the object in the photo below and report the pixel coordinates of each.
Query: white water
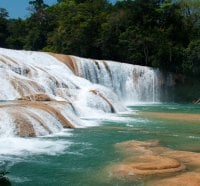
column 84, row 99
column 23, row 147
column 132, row 83
column 24, row 73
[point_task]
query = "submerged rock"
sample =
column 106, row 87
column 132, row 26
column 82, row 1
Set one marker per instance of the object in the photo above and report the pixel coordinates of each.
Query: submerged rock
column 147, row 165
column 150, row 159
column 185, row 179
column 183, row 117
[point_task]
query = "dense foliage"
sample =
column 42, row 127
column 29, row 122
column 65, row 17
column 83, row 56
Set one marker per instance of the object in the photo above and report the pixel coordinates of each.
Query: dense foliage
column 158, row 33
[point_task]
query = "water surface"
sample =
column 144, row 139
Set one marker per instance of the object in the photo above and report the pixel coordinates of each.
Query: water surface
column 79, row 156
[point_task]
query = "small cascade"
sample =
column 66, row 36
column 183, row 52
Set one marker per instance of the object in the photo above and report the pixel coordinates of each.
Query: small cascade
column 32, row 119
column 45, row 94
column 132, row 83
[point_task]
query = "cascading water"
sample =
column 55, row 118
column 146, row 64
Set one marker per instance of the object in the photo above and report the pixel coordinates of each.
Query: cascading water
column 132, row 83
column 57, row 91
column 52, row 96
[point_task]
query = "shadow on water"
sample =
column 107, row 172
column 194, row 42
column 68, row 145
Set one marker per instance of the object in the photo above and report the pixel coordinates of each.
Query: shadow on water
column 4, row 181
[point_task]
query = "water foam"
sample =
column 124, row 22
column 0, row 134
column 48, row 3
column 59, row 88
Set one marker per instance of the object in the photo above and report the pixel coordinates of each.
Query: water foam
column 33, row 146
column 132, row 83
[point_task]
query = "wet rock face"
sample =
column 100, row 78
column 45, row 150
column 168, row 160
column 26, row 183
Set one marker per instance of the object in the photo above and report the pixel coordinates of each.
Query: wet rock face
column 150, row 159
column 67, row 60
column 34, row 118
column 24, row 127
column 37, row 97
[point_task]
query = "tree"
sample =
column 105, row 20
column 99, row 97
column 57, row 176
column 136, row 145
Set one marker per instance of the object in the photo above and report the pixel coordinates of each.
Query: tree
column 158, row 33
column 37, row 6
column 3, row 13
column 16, row 33
column 3, row 26
column 191, row 64
column 78, row 28
column 37, row 25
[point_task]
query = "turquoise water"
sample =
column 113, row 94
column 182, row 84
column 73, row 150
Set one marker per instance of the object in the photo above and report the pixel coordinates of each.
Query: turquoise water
column 86, row 152
column 170, row 108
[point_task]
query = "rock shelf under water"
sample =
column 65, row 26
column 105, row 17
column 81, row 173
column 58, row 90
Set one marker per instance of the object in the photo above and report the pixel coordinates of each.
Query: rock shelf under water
column 164, row 165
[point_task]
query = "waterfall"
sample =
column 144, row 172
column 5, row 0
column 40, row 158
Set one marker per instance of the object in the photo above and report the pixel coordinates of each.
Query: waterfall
column 132, row 83
column 43, row 93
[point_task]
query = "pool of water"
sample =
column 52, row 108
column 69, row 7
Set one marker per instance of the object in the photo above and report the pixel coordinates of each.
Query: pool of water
column 79, row 156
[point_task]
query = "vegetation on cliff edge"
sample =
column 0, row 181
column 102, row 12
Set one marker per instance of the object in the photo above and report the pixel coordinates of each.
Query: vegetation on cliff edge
column 158, row 33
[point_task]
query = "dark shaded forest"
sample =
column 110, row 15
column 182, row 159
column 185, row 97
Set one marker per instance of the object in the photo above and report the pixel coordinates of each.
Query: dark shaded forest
column 157, row 33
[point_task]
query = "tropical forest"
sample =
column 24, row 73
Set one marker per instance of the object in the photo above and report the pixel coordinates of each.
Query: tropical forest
column 100, row 93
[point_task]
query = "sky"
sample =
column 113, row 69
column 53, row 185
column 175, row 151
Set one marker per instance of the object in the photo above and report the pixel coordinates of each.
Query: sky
column 18, row 8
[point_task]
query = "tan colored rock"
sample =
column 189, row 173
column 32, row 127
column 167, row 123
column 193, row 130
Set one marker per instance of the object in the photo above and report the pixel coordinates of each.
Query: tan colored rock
column 24, row 87
column 67, row 60
column 23, row 125
column 36, row 97
column 137, row 147
column 146, row 165
column 96, row 92
column 188, row 158
column 148, row 158
column 47, row 108
column 185, row 179
column 21, row 114
column 184, row 117
column 56, row 113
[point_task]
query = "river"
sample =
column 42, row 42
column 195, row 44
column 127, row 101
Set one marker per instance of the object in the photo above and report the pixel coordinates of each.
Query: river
column 79, row 156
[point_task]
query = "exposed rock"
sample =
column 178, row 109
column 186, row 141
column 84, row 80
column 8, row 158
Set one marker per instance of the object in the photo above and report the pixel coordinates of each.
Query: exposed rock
column 24, row 117
column 37, row 97
column 96, row 92
column 24, row 87
column 56, row 113
column 67, row 60
column 107, row 68
column 24, row 126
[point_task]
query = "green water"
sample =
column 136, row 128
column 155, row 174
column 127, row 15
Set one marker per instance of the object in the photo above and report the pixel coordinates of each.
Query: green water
column 91, row 149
